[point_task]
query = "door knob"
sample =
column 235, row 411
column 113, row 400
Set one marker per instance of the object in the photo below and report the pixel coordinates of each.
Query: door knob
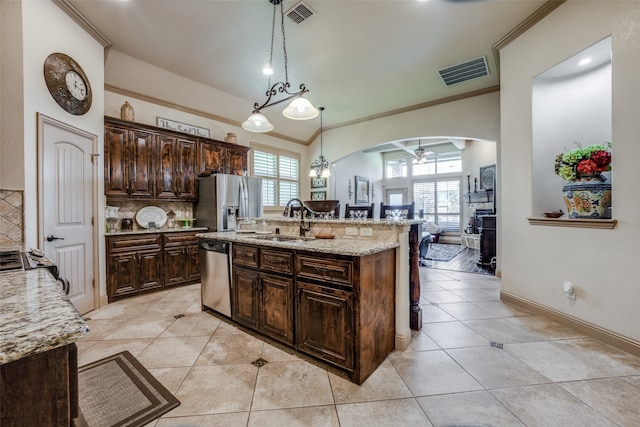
column 51, row 238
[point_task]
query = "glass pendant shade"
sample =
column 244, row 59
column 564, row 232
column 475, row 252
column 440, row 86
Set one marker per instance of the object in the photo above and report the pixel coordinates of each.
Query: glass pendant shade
column 257, row 123
column 313, row 173
column 300, row 109
column 326, row 173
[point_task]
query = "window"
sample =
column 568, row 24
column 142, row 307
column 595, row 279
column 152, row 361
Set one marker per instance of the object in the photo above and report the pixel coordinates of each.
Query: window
column 396, row 168
column 440, row 200
column 280, row 173
column 444, row 163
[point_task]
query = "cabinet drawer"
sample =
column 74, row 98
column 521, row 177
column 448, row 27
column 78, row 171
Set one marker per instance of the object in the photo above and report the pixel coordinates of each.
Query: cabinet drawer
column 276, row 260
column 328, row 270
column 146, row 241
column 172, row 239
column 245, row 255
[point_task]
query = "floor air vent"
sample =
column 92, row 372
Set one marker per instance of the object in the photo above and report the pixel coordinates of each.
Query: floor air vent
column 300, row 12
column 465, row 71
column 497, row 345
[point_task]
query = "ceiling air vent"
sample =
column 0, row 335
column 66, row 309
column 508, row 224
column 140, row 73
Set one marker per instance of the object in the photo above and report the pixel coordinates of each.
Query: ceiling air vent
column 300, row 12
column 465, row 71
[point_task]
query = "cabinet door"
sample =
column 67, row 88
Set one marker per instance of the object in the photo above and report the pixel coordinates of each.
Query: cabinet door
column 235, row 160
column 122, row 276
column 174, row 265
column 245, row 297
column 209, row 158
column 277, row 307
column 185, row 173
column 325, row 323
column 150, row 266
column 140, row 166
column 116, row 183
column 167, row 165
column 193, row 263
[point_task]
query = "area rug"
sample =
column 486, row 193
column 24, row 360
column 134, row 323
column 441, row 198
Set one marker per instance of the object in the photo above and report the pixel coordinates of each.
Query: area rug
column 443, row 252
column 119, row 391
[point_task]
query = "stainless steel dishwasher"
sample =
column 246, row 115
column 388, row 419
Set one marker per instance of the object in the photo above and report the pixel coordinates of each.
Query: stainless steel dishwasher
column 215, row 275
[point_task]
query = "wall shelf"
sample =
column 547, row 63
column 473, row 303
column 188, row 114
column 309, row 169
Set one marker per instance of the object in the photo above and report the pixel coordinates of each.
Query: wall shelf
column 481, row 196
column 607, row 224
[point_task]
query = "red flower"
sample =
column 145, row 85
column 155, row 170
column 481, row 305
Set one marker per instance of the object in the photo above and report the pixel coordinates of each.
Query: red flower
column 587, row 166
column 602, row 159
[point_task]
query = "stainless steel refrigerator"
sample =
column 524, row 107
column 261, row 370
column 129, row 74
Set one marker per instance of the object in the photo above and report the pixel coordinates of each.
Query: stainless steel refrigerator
column 222, row 199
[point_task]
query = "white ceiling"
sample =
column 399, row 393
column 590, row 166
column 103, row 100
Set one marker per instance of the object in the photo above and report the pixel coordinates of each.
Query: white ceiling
column 358, row 58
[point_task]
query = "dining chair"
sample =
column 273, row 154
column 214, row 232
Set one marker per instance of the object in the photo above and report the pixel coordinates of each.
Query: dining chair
column 397, row 211
column 358, row 211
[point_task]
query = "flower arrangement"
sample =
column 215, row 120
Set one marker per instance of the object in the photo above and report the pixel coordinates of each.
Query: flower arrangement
column 590, row 160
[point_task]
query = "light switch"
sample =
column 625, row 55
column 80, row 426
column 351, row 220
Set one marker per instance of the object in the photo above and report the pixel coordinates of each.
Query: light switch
column 351, row 231
column 366, row 231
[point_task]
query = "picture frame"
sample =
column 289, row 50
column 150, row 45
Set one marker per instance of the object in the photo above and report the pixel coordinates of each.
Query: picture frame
column 487, row 177
column 318, row 182
column 182, row 127
column 362, row 190
column 318, row 195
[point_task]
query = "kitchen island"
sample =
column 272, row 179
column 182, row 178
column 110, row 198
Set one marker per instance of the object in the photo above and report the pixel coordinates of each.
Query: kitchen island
column 335, row 299
column 38, row 356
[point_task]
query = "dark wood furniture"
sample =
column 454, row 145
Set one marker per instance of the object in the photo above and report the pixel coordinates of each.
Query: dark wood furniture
column 263, row 290
column 41, row 389
column 137, row 263
column 487, row 229
column 150, row 163
column 401, row 211
column 358, row 211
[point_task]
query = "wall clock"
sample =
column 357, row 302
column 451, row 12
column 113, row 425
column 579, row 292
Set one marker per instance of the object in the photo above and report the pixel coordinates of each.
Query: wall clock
column 487, row 177
column 67, row 83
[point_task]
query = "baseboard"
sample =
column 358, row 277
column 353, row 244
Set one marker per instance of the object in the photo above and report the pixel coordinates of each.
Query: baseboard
column 619, row 341
column 104, row 300
column 402, row 341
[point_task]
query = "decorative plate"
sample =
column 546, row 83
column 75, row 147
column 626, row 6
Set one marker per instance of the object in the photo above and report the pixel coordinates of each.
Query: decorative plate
column 151, row 214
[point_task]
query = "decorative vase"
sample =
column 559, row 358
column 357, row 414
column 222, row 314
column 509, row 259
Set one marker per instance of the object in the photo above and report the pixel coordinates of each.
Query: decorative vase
column 126, row 112
column 588, row 196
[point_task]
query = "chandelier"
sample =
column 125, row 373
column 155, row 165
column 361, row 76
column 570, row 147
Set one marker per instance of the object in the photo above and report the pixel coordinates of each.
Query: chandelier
column 320, row 167
column 299, row 108
column 420, row 155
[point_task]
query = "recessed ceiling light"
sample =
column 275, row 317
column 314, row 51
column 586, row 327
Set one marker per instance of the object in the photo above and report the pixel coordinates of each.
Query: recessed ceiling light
column 584, row 61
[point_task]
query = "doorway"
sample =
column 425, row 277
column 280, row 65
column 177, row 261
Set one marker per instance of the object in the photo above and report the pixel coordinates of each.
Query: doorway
column 67, row 200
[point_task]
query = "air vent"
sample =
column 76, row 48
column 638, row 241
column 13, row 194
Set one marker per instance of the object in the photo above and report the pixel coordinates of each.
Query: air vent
column 300, row 12
column 465, row 71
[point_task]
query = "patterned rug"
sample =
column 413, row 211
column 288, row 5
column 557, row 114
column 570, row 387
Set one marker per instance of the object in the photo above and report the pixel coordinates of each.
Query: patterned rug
column 443, row 252
column 119, row 391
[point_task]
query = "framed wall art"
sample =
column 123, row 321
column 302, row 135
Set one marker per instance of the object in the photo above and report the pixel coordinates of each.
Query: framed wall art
column 318, row 195
column 487, row 177
column 318, row 182
column 362, row 190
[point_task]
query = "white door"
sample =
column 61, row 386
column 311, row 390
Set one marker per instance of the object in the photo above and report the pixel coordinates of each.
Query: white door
column 66, row 205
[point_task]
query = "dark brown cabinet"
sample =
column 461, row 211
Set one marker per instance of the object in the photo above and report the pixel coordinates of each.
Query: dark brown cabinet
column 263, row 290
column 147, row 162
column 141, row 263
column 487, row 228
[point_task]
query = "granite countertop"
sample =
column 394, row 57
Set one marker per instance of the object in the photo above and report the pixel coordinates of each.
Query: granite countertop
column 352, row 247
column 36, row 315
column 157, row 230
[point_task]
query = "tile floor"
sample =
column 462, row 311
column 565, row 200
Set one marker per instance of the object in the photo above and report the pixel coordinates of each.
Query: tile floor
column 451, row 375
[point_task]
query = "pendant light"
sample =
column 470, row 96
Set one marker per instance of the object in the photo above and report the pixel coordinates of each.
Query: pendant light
column 420, row 155
column 299, row 108
column 320, row 167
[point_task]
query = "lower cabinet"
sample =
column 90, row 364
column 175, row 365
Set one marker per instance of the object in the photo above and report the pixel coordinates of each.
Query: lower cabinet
column 263, row 290
column 145, row 262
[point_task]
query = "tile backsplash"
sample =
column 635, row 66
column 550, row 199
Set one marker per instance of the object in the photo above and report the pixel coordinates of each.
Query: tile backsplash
column 129, row 209
column 11, row 219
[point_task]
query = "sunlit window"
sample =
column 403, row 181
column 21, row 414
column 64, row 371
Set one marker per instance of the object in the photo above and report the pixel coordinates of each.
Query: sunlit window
column 280, row 173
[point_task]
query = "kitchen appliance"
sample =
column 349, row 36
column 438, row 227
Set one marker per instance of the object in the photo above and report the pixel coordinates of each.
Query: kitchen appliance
column 222, row 199
column 18, row 260
column 215, row 276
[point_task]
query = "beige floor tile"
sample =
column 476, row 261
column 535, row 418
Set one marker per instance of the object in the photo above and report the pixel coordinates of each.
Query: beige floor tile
column 502, row 331
column 466, row 311
column 426, row 286
column 433, row 372
column 477, row 294
column 171, row 378
column 237, row 419
column 495, row 368
column 317, row 416
column 127, row 308
column 549, row 405
column 386, row 413
column 545, row 328
column 102, row 349
column 172, row 352
column 84, row 344
column 635, row 380
column 142, row 327
column 215, row 390
column 441, row 297
column 195, row 307
column 555, row 363
column 616, row 362
column 100, row 328
column 383, row 384
column 185, row 293
column 291, row 385
column 433, row 313
column 224, row 349
column 272, row 353
column 478, row 408
column 167, row 308
column 614, row 398
column 421, row 342
column 501, row 309
column 191, row 325
column 453, row 335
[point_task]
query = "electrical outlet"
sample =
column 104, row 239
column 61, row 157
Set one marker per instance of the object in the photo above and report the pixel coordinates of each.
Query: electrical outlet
column 351, row 231
column 366, row 231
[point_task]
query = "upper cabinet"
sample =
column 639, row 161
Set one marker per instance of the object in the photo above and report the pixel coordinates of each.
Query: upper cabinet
column 151, row 163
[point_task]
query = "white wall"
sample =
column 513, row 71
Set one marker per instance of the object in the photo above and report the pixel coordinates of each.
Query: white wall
column 367, row 165
column 537, row 259
column 477, row 154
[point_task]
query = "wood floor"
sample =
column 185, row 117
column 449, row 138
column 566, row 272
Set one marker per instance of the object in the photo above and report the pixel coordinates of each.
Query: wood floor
column 465, row 261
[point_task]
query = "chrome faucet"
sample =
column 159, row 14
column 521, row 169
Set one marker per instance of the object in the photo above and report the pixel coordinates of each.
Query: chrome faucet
column 303, row 228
